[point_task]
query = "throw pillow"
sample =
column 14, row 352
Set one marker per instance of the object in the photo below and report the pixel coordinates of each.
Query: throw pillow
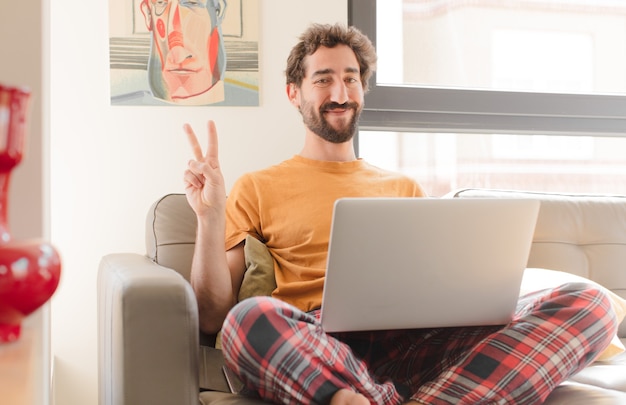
column 259, row 279
column 538, row 279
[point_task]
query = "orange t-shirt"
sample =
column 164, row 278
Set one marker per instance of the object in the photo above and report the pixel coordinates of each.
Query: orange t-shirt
column 289, row 207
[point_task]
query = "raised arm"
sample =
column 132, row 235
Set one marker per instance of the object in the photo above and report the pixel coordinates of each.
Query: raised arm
column 216, row 275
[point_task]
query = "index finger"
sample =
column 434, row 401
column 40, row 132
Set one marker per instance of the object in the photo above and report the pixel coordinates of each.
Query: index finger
column 193, row 141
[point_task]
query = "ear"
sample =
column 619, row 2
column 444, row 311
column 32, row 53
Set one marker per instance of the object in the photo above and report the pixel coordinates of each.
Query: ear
column 145, row 10
column 293, row 93
column 220, row 8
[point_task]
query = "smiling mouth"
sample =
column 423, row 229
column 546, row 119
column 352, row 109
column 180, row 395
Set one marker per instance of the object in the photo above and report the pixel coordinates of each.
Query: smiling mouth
column 338, row 108
column 339, row 112
column 181, row 71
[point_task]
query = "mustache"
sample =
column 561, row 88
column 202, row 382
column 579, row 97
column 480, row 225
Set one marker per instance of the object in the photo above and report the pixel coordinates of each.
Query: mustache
column 336, row 106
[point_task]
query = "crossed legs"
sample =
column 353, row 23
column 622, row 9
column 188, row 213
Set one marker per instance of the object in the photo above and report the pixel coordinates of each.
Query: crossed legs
column 284, row 355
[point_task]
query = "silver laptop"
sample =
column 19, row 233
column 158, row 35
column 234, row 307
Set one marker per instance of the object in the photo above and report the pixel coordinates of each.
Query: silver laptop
column 399, row 263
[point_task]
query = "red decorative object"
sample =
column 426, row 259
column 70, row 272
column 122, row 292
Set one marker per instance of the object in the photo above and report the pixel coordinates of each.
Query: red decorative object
column 29, row 270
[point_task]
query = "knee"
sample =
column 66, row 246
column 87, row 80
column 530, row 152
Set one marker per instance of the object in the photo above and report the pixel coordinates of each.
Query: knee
column 256, row 319
column 585, row 294
column 256, row 326
column 246, row 313
column 593, row 302
column 251, row 307
column 245, row 322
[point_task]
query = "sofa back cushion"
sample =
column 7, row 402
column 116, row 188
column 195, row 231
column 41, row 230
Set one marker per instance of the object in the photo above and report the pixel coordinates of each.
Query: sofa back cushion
column 580, row 234
column 170, row 240
column 171, row 233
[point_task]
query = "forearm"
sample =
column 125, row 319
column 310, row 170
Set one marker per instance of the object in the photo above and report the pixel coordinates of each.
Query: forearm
column 211, row 278
column 215, row 274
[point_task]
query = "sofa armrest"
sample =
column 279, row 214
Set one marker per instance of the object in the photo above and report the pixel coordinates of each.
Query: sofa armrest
column 147, row 334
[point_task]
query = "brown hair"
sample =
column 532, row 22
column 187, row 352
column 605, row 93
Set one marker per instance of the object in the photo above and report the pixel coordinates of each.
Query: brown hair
column 330, row 36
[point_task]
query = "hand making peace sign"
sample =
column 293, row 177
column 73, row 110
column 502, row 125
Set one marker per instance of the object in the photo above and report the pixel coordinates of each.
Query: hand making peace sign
column 204, row 182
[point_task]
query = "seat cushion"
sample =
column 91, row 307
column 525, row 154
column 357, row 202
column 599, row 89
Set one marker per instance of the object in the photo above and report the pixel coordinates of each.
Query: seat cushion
column 572, row 393
column 609, row 374
column 221, row 398
column 602, row 383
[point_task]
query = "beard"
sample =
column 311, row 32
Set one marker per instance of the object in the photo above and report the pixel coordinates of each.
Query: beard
column 318, row 124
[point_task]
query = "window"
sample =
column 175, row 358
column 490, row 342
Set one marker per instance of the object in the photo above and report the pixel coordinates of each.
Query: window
column 519, row 94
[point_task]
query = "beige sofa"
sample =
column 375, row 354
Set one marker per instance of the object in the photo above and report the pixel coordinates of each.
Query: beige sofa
column 148, row 321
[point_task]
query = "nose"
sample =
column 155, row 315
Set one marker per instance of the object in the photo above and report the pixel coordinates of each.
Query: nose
column 175, row 34
column 339, row 92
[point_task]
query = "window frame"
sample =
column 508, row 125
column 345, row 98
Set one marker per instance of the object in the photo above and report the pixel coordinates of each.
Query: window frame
column 430, row 109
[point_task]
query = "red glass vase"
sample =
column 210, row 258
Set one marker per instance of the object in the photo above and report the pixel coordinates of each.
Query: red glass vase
column 29, row 270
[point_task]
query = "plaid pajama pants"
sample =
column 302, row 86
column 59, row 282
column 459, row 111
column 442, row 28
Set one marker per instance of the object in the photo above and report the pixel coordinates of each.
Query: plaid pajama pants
column 283, row 354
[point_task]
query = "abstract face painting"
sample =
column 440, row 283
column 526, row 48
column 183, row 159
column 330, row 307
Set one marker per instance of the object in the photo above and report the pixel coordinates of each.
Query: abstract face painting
column 187, row 57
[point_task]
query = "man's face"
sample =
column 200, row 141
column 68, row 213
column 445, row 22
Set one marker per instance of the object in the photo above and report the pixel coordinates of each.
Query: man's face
column 331, row 94
column 187, row 50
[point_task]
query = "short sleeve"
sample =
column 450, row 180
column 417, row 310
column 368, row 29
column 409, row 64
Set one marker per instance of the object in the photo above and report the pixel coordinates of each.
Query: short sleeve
column 242, row 212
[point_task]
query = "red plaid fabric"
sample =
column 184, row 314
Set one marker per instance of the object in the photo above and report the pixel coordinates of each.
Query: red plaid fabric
column 284, row 355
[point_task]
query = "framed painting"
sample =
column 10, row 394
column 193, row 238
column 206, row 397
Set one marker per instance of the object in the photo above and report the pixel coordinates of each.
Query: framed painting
column 184, row 52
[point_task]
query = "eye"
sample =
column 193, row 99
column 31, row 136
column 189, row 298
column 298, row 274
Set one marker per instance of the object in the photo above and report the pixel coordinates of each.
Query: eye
column 193, row 3
column 352, row 81
column 160, row 6
column 322, row 81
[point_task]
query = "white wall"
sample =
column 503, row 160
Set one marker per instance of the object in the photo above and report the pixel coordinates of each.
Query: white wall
column 108, row 164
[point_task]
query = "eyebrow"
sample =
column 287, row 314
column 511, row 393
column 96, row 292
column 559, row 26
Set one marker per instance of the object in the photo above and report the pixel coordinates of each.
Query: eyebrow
column 328, row 71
